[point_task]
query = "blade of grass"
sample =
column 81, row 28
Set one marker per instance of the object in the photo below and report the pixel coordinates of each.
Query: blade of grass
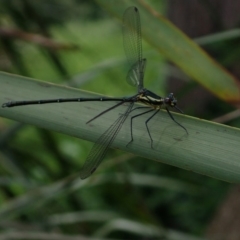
column 40, row 195
column 211, row 149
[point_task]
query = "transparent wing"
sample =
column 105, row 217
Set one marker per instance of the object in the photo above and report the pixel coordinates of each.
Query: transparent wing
column 101, row 146
column 136, row 74
column 132, row 42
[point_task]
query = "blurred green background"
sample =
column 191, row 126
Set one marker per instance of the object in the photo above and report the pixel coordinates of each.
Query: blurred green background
column 78, row 43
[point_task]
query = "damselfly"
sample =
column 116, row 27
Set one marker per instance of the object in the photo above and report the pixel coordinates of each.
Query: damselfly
column 132, row 42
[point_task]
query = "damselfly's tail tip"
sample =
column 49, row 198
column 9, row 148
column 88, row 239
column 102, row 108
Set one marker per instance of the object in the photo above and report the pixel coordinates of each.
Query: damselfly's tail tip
column 4, row 105
column 9, row 104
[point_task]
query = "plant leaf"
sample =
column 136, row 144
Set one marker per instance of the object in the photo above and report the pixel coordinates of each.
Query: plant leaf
column 211, row 149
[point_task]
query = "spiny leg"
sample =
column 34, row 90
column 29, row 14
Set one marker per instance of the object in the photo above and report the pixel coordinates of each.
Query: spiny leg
column 105, row 111
column 132, row 122
column 135, row 117
column 171, row 116
column 124, row 100
column 146, row 123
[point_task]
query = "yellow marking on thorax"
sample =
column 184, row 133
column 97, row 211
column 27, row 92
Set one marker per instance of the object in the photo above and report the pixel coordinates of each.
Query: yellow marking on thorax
column 153, row 102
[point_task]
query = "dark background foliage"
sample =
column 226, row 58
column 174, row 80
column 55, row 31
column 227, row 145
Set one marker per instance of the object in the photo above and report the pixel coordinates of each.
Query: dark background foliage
column 78, row 43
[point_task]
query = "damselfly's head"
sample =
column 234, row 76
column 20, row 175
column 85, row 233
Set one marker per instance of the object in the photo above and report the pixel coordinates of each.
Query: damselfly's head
column 171, row 100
